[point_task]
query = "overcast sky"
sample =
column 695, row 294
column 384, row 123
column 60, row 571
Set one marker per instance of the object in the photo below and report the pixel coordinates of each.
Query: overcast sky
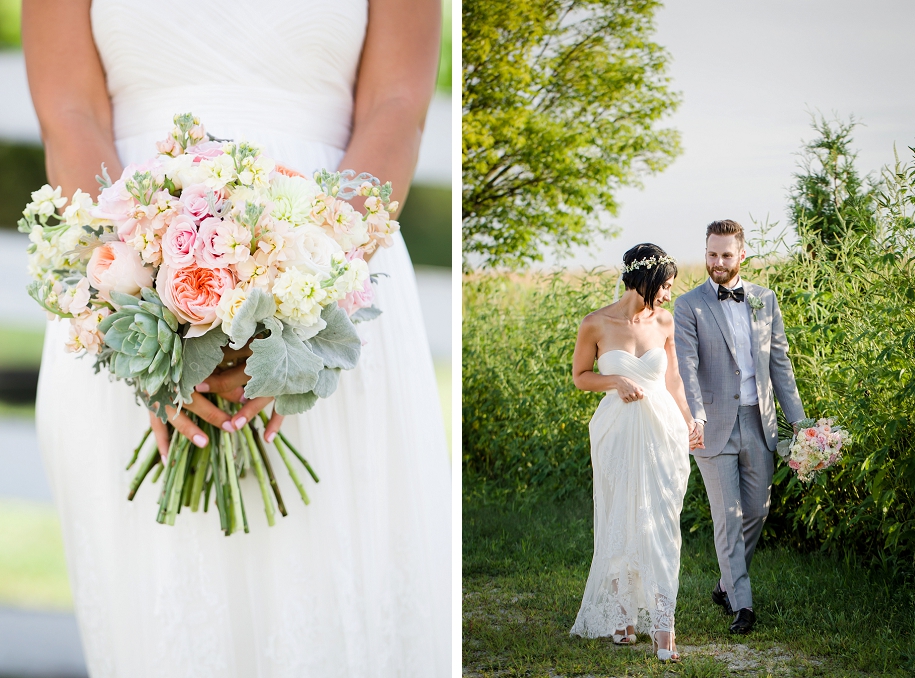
column 750, row 73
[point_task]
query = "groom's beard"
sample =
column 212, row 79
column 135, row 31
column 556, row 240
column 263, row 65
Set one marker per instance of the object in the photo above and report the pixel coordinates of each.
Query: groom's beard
column 721, row 275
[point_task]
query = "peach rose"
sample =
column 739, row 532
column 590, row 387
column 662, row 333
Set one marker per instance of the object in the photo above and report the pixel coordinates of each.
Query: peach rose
column 193, row 294
column 117, row 266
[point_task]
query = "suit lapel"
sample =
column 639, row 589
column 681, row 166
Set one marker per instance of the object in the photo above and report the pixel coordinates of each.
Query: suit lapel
column 708, row 296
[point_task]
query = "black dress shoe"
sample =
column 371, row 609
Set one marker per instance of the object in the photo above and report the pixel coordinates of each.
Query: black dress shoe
column 719, row 597
column 743, row 622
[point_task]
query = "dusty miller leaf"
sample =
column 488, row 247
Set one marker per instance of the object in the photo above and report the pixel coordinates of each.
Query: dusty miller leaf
column 327, row 382
column 256, row 307
column 281, row 363
column 200, row 355
column 295, row 404
column 338, row 344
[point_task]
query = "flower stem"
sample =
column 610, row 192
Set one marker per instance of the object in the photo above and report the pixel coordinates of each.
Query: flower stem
column 292, row 473
column 136, row 452
column 150, row 461
column 201, row 461
column 234, row 491
column 169, row 477
column 269, row 467
column 174, row 500
column 259, row 472
column 218, row 485
column 157, row 472
column 292, row 449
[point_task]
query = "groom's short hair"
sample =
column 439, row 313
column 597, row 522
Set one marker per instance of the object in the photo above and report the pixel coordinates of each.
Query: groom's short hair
column 726, row 227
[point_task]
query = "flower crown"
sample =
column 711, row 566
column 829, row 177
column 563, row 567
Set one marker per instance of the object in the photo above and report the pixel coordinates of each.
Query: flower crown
column 648, row 262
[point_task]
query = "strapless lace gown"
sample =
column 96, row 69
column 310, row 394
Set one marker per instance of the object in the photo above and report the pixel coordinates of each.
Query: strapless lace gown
column 359, row 582
column 640, row 456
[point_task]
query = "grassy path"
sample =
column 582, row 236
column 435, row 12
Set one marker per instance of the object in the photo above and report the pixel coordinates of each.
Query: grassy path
column 524, row 572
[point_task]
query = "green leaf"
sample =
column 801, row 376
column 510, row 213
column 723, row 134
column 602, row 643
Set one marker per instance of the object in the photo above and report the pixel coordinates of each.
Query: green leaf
column 295, row 404
column 281, row 363
column 328, row 380
column 338, row 344
column 365, row 314
column 201, row 355
column 256, row 307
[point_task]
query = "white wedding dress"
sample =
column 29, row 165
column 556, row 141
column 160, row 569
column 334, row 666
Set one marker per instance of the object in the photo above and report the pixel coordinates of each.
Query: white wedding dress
column 358, row 583
column 640, row 457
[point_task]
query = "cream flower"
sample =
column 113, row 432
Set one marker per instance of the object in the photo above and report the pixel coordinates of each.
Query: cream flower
column 298, row 296
column 293, row 198
column 45, row 201
column 228, row 306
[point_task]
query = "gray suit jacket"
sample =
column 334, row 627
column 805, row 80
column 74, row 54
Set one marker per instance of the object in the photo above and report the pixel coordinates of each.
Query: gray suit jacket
column 708, row 364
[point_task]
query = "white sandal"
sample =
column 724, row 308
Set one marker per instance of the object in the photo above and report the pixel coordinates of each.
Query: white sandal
column 665, row 655
column 623, row 638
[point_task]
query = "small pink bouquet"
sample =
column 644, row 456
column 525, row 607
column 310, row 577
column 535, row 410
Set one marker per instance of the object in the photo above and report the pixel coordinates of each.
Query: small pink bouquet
column 816, row 446
column 211, row 243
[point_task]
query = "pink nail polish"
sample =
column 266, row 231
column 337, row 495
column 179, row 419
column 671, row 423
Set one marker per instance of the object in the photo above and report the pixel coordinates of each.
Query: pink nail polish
column 200, row 440
column 241, row 421
column 243, row 400
column 203, row 387
column 270, row 436
column 227, row 426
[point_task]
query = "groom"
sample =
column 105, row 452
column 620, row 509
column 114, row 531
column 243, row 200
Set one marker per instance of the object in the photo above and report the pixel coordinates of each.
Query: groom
column 733, row 358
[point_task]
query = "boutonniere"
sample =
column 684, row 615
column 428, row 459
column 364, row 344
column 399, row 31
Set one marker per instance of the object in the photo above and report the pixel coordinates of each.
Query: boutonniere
column 755, row 303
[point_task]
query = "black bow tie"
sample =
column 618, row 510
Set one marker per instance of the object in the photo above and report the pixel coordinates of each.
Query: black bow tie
column 736, row 294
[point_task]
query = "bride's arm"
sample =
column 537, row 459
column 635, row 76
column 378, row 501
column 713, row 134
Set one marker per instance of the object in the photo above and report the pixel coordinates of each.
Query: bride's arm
column 583, row 374
column 68, row 89
column 395, row 83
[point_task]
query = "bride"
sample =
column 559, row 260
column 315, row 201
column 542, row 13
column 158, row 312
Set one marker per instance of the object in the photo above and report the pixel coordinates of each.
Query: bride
column 640, row 437
column 359, row 582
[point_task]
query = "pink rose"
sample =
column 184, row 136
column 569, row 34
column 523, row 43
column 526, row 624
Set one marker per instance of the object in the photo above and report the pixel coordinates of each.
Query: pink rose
column 810, row 433
column 357, row 299
column 793, row 464
column 193, row 294
column 208, row 254
column 205, row 151
column 117, row 266
column 194, row 201
column 115, row 203
column 179, row 243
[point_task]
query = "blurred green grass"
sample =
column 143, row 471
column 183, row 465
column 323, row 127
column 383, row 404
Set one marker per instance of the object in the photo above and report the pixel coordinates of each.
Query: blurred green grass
column 20, row 347
column 33, row 573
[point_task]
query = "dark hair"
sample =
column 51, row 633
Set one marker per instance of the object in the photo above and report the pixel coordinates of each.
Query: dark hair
column 647, row 280
column 726, row 227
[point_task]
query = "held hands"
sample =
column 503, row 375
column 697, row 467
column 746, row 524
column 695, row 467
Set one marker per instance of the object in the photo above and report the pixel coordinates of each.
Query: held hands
column 696, row 435
column 228, row 382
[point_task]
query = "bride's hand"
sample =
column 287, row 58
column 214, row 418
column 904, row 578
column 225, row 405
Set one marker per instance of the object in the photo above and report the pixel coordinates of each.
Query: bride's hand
column 229, row 383
column 628, row 390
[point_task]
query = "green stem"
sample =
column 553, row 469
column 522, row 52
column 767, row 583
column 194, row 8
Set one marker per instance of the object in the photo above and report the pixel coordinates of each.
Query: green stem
column 269, row 467
column 292, row 473
column 292, row 449
column 200, row 471
column 208, row 485
column 169, row 476
column 261, row 476
column 150, row 461
column 234, row 490
column 217, row 483
column 174, row 499
column 136, row 452
column 157, row 472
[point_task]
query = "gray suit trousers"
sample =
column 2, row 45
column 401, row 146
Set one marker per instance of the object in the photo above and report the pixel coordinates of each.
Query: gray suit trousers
column 739, row 486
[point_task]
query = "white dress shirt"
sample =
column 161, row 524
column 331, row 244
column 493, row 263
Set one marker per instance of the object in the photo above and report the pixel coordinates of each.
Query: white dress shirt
column 738, row 315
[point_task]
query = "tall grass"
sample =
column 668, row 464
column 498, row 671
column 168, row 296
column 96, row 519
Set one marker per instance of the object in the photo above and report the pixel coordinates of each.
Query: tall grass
column 849, row 311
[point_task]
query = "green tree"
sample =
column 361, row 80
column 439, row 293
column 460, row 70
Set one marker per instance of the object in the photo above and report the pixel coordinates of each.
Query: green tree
column 829, row 200
column 561, row 100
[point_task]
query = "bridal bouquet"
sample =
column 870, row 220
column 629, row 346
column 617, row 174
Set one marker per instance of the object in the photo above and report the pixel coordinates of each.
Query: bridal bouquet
column 211, row 243
column 816, row 446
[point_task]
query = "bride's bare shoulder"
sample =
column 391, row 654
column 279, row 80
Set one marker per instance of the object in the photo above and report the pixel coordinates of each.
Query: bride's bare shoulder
column 598, row 318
